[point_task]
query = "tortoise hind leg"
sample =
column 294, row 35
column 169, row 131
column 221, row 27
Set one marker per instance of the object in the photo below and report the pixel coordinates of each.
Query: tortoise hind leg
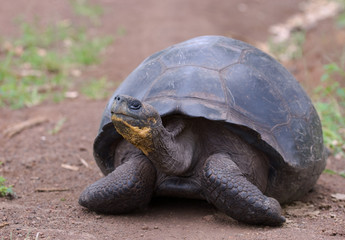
column 225, row 187
column 130, row 186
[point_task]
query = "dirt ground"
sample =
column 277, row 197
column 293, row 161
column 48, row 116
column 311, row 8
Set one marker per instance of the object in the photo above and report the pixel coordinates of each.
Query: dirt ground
column 33, row 160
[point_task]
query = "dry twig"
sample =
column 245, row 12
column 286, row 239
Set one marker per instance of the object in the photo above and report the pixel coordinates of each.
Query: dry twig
column 84, row 162
column 69, row 167
column 4, row 224
column 51, row 189
column 19, row 127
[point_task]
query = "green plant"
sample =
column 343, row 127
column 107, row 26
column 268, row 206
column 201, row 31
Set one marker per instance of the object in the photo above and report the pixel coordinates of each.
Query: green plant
column 330, row 104
column 84, row 8
column 87, row 50
column 340, row 19
column 37, row 65
column 97, row 88
column 58, row 126
column 5, row 190
column 290, row 49
column 331, row 172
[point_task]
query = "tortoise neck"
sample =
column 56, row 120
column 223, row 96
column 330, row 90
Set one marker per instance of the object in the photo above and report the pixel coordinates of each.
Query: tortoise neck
column 170, row 153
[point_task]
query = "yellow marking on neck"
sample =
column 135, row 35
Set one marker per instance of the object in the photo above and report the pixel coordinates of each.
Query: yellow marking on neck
column 152, row 120
column 140, row 137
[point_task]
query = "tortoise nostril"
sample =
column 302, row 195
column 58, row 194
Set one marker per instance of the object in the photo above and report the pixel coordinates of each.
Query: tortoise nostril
column 117, row 98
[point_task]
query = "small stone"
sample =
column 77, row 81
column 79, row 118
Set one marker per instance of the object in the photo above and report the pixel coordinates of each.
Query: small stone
column 71, row 94
column 76, row 73
column 338, row 196
column 325, row 207
column 208, row 218
column 155, row 227
column 145, row 228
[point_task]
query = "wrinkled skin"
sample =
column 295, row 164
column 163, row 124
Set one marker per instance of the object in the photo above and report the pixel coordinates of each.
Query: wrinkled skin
column 186, row 157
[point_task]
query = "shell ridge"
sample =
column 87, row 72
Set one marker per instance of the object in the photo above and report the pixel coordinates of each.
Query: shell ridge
column 154, row 81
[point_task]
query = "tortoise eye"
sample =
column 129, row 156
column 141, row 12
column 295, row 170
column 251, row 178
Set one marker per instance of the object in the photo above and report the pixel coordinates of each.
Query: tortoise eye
column 135, row 105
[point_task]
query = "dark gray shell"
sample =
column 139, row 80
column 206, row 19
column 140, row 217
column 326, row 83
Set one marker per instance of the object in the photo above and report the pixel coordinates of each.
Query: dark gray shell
column 227, row 80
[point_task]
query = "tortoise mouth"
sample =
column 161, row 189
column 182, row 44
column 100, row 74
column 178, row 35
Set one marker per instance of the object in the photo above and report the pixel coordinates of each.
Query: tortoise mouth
column 123, row 117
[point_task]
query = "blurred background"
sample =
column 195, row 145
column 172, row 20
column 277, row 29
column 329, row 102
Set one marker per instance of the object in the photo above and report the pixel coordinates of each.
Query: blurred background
column 57, row 49
column 61, row 59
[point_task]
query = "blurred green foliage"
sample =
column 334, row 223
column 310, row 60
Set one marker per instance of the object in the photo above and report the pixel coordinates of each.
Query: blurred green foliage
column 58, row 126
column 340, row 20
column 290, row 49
column 5, row 190
column 331, row 172
column 330, row 103
column 38, row 64
column 97, row 88
column 84, row 8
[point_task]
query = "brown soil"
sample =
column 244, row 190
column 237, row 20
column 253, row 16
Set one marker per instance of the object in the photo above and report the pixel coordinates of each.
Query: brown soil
column 33, row 158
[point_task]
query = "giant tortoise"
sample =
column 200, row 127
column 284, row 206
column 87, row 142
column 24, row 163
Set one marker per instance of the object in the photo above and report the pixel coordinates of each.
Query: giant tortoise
column 210, row 118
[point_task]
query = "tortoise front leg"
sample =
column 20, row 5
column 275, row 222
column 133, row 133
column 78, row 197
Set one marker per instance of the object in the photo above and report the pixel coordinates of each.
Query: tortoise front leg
column 130, row 186
column 226, row 188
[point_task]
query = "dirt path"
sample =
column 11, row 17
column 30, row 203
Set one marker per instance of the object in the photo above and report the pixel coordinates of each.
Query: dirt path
column 33, row 159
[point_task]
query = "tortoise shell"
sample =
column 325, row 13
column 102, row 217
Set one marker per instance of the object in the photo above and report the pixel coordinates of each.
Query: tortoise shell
column 226, row 80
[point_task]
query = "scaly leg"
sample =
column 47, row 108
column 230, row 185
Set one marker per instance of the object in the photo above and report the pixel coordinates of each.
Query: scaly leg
column 128, row 187
column 226, row 188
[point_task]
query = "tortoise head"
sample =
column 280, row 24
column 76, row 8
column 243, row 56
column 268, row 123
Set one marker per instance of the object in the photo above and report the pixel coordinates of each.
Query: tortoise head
column 135, row 121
